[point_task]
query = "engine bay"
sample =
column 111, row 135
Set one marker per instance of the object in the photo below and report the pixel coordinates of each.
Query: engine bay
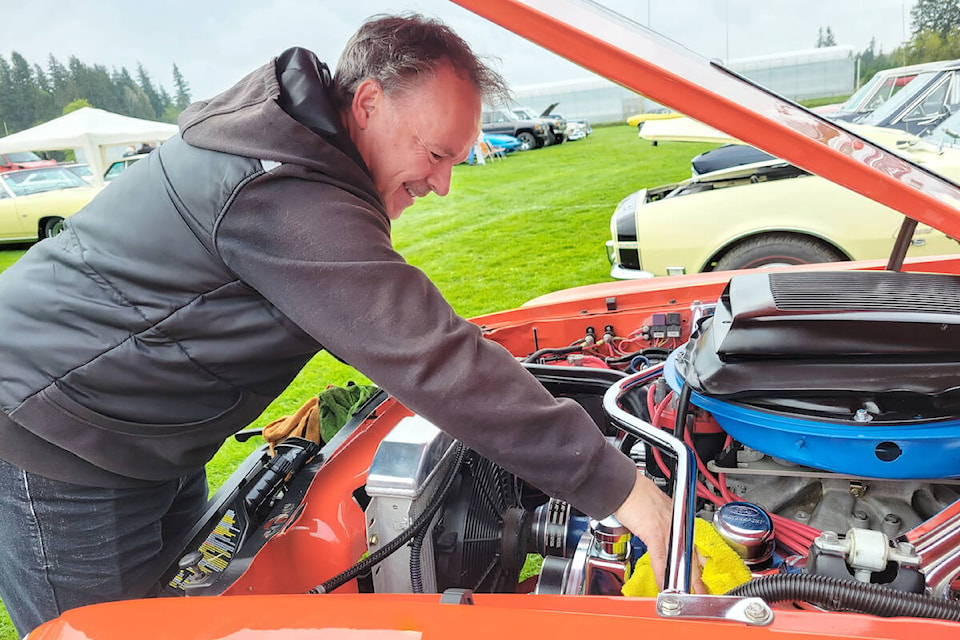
column 820, row 410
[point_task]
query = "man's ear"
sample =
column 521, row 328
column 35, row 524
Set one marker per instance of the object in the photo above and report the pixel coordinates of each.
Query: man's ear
column 366, row 99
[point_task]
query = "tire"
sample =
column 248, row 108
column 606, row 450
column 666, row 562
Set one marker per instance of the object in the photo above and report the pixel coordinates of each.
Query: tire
column 527, row 140
column 52, row 227
column 777, row 249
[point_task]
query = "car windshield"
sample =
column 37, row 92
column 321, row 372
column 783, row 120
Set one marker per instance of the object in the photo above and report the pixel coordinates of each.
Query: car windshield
column 23, row 156
column 947, row 133
column 82, row 170
column 525, row 113
column 896, row 103
column 860, row 94
column 32, row 181
column 874, row 93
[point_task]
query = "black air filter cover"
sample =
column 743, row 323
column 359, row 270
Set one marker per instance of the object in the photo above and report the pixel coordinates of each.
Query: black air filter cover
column 806, row 333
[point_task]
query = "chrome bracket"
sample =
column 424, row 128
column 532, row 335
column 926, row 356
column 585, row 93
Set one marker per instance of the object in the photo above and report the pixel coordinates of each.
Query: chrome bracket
column 752, row 611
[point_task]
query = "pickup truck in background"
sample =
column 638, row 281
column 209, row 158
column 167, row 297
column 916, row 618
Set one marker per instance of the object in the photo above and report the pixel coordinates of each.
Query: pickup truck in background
column 533, row 133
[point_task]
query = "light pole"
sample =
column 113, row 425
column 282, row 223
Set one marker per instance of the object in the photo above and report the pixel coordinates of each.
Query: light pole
column 726, row 31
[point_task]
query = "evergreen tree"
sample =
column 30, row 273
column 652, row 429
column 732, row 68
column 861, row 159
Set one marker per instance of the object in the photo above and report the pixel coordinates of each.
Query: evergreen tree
column 165, row 98
column 147, row 85
column 30, row 94
column 828, row 39
column 182, row 88
column 46, row 107
column 42, row 82
column 24, row 99
column 62, row 86
column 872, row 60
column 825, row 37
column 7, row 116
column 135, row 102
column 101, row 91
column 941, row 17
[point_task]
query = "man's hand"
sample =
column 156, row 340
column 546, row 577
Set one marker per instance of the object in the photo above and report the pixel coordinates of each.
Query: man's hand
column 647, row 513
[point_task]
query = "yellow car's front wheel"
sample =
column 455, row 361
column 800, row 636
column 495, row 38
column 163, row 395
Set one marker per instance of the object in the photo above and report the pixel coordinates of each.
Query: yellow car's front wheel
column 776, row 249
column 52, row 227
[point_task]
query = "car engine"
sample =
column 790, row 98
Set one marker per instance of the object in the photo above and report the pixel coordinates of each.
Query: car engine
column 820, row 410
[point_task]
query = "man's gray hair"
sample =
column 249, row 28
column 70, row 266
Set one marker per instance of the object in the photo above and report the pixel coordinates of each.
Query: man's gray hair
column 399, row 50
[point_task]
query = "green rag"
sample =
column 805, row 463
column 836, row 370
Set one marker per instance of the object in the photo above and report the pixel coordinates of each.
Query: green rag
column 337, row 404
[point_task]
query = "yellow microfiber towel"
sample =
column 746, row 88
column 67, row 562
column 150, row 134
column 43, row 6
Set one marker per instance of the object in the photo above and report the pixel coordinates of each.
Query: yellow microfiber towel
column 723, row 569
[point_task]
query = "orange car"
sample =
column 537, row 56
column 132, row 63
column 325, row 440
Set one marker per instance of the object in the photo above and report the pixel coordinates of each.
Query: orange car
column 812, row 411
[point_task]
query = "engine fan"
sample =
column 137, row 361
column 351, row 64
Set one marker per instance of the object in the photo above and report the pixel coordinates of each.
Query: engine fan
column 481, row 540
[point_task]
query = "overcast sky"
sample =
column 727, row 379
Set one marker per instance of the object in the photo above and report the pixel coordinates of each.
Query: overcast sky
column 215, row 42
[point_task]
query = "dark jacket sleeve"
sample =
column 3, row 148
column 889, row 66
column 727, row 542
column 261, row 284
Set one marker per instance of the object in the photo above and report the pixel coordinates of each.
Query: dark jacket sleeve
column 324, row 258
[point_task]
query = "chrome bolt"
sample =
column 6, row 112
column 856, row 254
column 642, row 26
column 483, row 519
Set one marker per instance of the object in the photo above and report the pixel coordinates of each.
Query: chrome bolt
column 862, row 415
column 756, row 612
column 670, row 605
column 374, row 540
column 858, row 489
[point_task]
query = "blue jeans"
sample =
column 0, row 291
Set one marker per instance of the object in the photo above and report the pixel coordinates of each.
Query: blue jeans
column 65, row 545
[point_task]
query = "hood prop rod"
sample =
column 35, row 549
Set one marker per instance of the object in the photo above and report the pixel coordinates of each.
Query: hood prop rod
column 895, row 263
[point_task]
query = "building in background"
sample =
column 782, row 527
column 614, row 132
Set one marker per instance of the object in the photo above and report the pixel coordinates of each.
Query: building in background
column 826, row 72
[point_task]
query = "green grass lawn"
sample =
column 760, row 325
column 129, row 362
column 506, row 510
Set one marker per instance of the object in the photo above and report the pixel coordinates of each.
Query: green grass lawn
column 510, row 230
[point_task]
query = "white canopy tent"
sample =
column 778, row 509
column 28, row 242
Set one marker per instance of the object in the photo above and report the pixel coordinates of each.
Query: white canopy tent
column 91, row 131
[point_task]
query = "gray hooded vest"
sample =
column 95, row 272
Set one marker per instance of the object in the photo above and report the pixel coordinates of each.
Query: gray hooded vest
column 177, row 305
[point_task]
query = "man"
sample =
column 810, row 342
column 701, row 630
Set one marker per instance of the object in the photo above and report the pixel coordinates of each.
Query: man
column 175, row 307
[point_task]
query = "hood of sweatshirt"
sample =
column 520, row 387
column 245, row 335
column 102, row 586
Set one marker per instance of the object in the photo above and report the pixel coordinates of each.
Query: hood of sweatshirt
column 281, row 112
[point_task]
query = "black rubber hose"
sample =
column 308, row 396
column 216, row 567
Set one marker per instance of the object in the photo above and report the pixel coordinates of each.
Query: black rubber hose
column 649, row 352
column 848, row 595
column 560, row 351
column 416, row 567
column 420, row 523
column 683, row 410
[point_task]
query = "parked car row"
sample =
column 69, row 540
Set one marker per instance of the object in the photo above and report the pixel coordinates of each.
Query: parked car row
column 881, row 87
column 770, row 212
column 752, row 209
column 931, row 93
column 534, row 130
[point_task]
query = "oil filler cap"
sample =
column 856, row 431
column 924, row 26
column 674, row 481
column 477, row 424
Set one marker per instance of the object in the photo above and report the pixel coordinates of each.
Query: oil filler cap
column 748, row 530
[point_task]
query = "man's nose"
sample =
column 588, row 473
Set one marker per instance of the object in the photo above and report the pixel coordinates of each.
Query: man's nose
column 439, row 178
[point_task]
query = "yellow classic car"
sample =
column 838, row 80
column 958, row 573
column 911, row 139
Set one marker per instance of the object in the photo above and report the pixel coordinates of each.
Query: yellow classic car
column 771, row 213
column 34, row 202
column 662, row 113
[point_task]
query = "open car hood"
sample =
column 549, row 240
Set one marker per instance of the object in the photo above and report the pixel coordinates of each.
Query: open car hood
column 648, row 63
column 546, row 112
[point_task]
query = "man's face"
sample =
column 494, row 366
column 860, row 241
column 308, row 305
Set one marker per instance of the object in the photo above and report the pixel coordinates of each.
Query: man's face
column 411, row 140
